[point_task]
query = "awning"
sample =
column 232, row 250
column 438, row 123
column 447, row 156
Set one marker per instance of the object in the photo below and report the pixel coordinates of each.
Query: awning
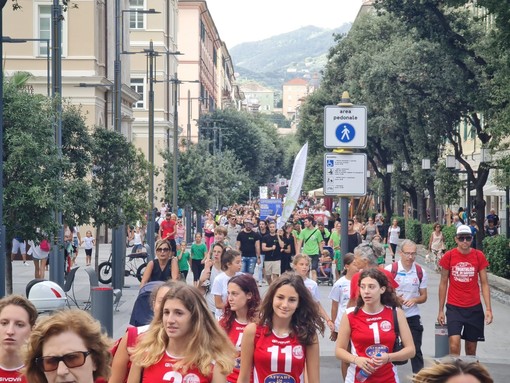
column 490, row 190
column 316, row 193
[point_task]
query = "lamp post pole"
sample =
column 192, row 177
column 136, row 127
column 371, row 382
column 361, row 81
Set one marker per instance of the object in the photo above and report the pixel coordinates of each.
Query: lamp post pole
column 57, row 269
column 150, row 216
column 2, row 226
column 176, row 146
column 118, row 244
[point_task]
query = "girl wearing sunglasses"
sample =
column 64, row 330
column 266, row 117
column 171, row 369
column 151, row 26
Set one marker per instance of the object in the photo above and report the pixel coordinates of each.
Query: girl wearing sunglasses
column 17, row 317
column 68, row 346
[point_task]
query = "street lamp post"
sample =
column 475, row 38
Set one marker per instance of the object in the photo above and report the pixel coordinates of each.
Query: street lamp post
column 151, row 54
column 57, row 269
column 176, row 147
column 118, row 242
column 2, row 226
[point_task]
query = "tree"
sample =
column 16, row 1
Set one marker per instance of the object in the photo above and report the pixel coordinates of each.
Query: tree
column 119, row 177
column 79, row 198
column 254, row 142
column 219, row 179
column 31, row 167
column 475, row 51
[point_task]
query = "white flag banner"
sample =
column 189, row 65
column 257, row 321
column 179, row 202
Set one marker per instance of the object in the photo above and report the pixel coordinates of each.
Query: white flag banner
column 295, row 184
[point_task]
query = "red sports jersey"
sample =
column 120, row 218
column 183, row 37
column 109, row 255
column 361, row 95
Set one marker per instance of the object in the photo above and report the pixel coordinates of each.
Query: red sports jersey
column 277, row 359
column 236, row 335
column 163, row 372
column 372, row 334
column 463, row 289
column 12, row 375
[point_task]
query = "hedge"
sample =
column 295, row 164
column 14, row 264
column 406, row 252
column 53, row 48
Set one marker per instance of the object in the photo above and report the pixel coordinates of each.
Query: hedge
column 413, row 230
column 426, row 230
column 497, row 251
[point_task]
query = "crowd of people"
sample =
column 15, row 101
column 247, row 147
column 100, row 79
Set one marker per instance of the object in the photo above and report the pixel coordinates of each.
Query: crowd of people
column 220, row 328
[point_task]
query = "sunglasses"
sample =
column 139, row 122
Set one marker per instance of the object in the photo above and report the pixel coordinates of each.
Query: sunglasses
column 163, row 250
column 465, row 238
column 71, row 360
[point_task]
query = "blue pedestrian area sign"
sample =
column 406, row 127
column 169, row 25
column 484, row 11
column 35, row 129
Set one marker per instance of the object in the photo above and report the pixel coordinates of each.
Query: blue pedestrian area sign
column 345, row 127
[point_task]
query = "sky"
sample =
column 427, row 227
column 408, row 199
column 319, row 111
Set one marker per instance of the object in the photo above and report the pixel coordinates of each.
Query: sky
column 240, row 21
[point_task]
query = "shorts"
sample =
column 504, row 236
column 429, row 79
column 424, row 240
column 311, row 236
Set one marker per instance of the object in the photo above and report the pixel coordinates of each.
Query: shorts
column 315, row 261
column 248, row 265
column 88, row 252
column 18, row 245
column 468, row 322
column 272, row 268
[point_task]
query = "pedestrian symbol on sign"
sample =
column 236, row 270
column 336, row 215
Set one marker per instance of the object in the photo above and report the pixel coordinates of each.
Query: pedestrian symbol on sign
column 345, row 132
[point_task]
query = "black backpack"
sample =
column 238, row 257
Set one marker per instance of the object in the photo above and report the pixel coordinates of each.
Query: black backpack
column 156, row 226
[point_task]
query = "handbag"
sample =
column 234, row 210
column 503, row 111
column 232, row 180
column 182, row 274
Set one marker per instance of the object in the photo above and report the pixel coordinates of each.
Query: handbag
column 398, row 341
column 44, row 245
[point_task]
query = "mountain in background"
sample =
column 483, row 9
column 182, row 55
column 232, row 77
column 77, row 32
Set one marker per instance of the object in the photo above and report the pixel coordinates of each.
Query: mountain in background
column 273, row 61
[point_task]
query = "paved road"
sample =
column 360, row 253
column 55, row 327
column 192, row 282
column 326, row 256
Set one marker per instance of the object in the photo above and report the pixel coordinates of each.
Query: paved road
column 493, row 353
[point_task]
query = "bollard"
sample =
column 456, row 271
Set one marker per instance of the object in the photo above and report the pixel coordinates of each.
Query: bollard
column 441, row 341
column 102, row 307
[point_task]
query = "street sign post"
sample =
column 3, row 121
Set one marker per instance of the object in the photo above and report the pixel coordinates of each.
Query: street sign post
column 345, row 174
column 345, row 127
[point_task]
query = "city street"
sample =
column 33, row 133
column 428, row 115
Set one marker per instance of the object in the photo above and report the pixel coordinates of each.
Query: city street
column 493, row 353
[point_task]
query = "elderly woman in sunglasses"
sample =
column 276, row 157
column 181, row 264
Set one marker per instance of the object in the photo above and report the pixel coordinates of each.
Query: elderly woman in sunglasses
column 68, row 346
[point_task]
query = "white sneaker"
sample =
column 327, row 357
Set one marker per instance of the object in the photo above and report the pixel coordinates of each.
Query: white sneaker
column 25, row 264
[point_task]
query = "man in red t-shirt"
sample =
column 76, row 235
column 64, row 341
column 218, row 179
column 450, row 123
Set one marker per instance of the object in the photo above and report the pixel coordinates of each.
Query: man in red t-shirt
column 167, row 231
column 461, row 268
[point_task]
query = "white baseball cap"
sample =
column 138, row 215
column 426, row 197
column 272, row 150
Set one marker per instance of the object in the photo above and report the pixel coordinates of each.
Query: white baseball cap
column 464, row 229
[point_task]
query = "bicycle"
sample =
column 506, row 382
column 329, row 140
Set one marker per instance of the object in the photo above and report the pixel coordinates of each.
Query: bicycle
column 135, row 267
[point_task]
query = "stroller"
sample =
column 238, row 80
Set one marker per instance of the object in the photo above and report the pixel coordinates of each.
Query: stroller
column 142, row 309
column 325, row 269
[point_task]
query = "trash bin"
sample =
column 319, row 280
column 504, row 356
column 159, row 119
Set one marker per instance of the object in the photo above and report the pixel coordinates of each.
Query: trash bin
column 441, row 341
column 102, row 307
column 46, row 295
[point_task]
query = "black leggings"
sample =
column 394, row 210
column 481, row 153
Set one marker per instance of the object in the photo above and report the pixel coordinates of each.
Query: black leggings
column 196, row 266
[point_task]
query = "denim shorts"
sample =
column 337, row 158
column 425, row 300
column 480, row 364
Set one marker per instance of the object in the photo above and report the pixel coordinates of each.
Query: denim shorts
column 249, row 264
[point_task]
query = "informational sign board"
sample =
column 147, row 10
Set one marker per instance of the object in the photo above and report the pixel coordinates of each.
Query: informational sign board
column 345, row 174
column 262, row 192
column 270, row 208
column 345, row 127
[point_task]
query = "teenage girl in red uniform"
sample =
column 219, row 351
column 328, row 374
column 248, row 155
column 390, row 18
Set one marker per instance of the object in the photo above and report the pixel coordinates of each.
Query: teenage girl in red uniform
column 369, row 327
column 285, row 339
column 183, row 344
column 17, row 317
column 242, row 308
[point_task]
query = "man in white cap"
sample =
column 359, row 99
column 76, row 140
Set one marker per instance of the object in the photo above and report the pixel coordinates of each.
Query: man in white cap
column 461, row 268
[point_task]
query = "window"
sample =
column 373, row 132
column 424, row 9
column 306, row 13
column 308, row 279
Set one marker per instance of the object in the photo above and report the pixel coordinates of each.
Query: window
column 136, row 19
column 44, row 28
column 138, row 85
